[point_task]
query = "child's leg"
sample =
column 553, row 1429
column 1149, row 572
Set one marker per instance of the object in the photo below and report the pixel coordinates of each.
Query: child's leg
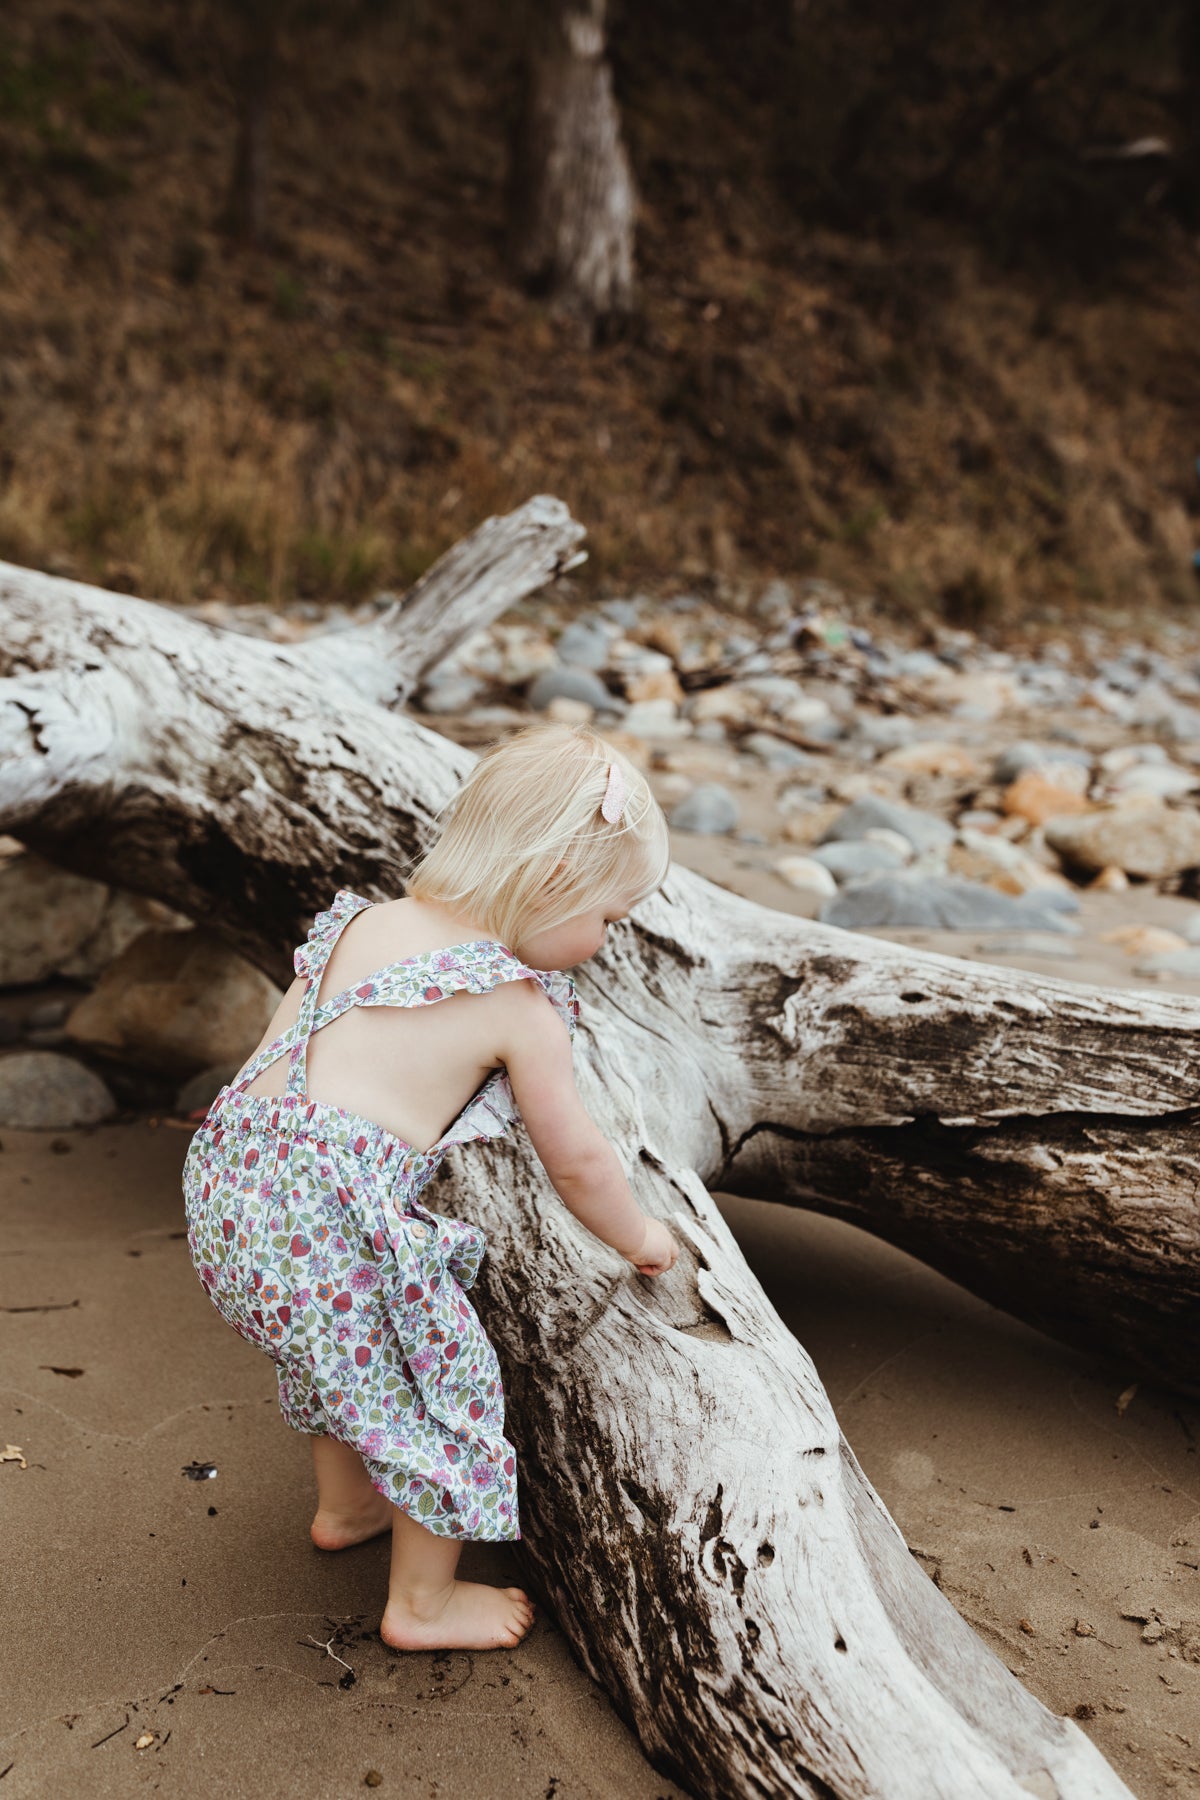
column 349, row 1509
column 428, row 1609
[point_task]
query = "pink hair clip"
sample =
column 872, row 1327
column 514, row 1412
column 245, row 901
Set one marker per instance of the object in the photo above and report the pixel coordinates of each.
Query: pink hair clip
column 613, row 803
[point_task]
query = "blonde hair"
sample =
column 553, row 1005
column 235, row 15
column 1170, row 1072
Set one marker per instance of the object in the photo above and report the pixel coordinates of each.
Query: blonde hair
column 524, row 845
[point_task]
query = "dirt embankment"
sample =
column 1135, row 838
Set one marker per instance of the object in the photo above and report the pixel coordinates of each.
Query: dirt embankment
column 324, row 416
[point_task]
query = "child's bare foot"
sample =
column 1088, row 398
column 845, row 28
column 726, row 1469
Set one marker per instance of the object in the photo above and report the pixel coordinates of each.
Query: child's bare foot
column 337, row 1529
column 469, row 1616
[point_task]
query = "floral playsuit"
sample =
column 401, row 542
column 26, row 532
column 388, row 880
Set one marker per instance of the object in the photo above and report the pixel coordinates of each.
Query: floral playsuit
column 306, row 1226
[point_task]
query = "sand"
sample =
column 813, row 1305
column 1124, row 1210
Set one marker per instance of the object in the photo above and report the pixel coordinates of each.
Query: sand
column 1023, row 1487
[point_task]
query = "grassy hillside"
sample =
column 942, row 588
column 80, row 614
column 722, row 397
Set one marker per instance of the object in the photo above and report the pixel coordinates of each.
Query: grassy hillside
column 893, row 410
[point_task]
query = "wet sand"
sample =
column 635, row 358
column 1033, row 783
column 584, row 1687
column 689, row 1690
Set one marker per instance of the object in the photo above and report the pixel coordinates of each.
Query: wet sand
column 1022, row 1488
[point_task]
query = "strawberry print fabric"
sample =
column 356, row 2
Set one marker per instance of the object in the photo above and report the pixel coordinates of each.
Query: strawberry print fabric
column 307, row 1229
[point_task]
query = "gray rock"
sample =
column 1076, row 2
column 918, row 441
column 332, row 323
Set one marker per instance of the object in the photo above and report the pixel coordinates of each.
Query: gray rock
column 198, row 1094
column 710, row 731
column 776, row 604
column 47, row 1037
column 777, row 753
column 918, row 663
column 448, row 691
column 583, row 644
column 851, row 861
column 825, row 730
column 41, row 1091
column 48, row 1014
column 1024, row 755
column 1028, row 943
column 624, row 613
column 1171, row 962
column 64, row 924
column 923, row 830
column 709, row 808
column 574, row 684
column 885, row 731
column 938, row 903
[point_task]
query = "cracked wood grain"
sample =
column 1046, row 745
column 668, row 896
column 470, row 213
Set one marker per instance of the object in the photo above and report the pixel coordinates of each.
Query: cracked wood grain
column 711, row 1547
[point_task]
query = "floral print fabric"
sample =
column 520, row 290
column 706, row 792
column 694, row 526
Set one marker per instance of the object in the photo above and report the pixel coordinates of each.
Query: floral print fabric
column 307, row 1229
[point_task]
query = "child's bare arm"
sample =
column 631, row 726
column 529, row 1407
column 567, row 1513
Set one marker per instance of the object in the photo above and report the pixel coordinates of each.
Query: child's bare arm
column 578, row 1158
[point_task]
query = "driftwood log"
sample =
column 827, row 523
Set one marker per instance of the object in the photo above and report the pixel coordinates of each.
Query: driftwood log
column 709, row 1543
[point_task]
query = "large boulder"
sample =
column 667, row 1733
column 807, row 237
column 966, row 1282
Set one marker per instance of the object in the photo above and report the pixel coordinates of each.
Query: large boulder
column 42, row 1091
column 176, row 1003
column 1144, row 838
column 56, row 923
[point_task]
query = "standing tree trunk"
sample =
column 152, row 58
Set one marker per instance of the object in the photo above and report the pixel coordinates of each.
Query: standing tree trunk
column 245, row 215
column 572, row 203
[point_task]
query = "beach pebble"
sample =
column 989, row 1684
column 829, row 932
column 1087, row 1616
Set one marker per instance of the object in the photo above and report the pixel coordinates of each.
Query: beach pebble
column 807, row 875
column 1163, row 781
column 1036, row 796
column 852, row 861
column 1110, row 880
column 708, row 808
column 654, row 684
column 569, row 712
column 894, row 840
column 1028, row 943
column 883, row 731
column 1143, row 838
column 775, row 752
column 1144, row 940
column 572, row 684
column 924, row 831
column 655, row 719
column 941, row 903
column 1171, row 962
column 932, row 757
column 42, row 1091
column 523, row 652
column 448, row 690
column 584, row 643
column 175, row 1003
column 1127, row 756
column 1047, row 759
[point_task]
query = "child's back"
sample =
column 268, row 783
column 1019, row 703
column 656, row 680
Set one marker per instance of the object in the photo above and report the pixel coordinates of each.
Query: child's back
column 411, row 1069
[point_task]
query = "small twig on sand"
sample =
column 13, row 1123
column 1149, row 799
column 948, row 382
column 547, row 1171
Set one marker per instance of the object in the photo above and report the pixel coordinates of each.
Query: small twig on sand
column 328, row 1649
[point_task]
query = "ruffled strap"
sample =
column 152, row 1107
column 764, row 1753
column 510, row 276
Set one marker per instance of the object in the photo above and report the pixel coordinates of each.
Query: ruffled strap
column 560, row 990
column 490, row 1111
column 310, row 956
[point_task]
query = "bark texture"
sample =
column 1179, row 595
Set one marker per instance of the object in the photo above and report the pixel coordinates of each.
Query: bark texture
column 711, row 1546
column 572, row 202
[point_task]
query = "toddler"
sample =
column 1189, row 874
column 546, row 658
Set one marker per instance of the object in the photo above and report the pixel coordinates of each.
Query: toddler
column 303, row 1186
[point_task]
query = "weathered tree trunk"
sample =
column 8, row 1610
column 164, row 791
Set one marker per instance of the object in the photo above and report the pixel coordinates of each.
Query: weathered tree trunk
column 572, row 203
column 710, row 1544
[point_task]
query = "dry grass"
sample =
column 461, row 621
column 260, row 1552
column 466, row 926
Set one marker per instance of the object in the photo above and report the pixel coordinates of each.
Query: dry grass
column 326, row 417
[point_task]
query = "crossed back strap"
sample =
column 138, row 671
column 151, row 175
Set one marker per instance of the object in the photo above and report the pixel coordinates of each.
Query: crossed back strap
column 417, row 980
column 317, row 959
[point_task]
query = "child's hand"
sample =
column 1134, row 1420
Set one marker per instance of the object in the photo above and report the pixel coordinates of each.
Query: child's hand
column 658, row 1250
